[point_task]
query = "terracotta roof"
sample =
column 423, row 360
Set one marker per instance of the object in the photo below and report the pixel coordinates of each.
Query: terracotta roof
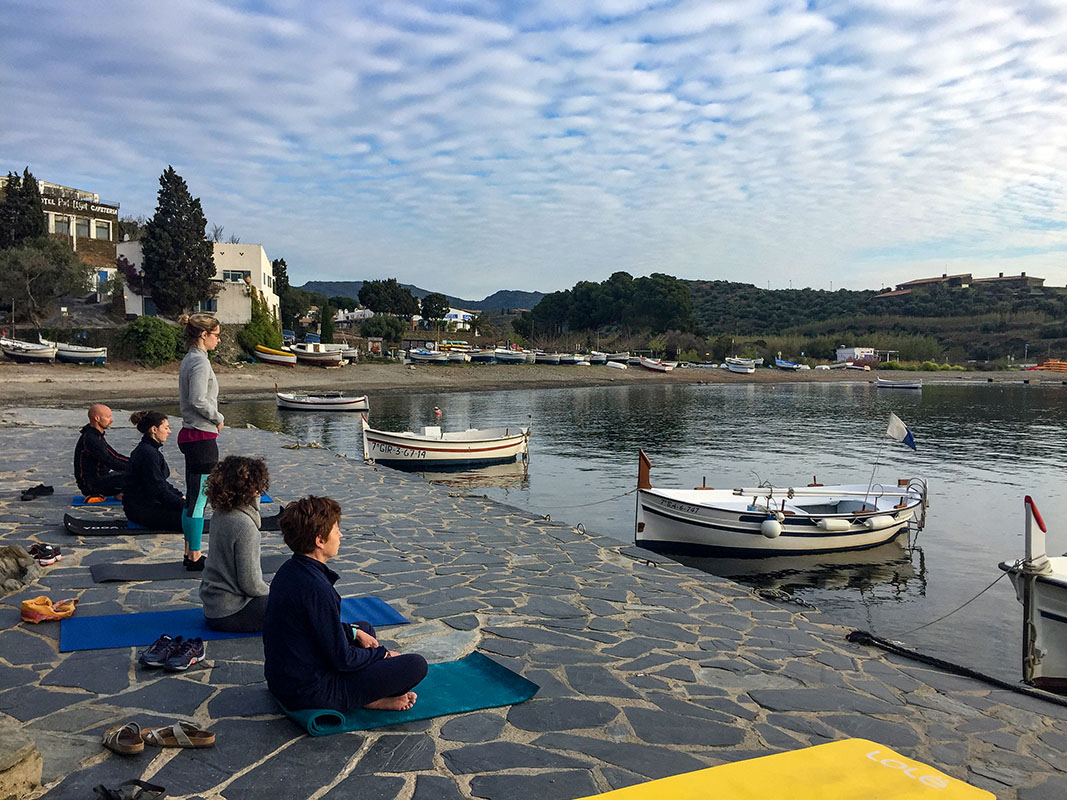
column 940, row 279
column 895, row 293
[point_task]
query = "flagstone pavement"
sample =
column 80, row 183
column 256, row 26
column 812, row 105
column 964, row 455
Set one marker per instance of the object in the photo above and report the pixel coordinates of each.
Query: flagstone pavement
column 647, row 668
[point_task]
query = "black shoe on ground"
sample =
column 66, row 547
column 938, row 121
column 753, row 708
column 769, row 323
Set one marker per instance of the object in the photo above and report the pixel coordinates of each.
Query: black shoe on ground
column 45, row 554
column 194, row 566
column 189, row 652
column 40, row 490
column 159, row 651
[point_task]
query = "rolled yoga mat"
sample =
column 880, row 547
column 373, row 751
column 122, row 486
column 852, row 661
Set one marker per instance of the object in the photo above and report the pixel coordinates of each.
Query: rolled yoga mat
column 167, row 571
column 453, row 687
column 135, row 630
column 84, row 526
column 81, row 500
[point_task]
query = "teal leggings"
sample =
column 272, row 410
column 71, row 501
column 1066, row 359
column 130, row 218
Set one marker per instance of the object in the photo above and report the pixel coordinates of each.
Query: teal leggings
column 193, row 513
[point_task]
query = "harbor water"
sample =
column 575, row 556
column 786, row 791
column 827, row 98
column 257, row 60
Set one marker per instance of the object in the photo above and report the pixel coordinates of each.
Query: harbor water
column 981, row 447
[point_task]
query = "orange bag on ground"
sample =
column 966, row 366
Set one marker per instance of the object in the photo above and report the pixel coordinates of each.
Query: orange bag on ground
column 40, row 609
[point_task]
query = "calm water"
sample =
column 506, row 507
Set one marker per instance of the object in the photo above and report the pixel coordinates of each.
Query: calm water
column 982, row 447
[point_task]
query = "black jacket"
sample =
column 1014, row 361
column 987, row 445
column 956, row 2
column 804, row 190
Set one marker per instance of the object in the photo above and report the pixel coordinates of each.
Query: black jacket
column 146, row 478
column 305, row 645
column 94, row 458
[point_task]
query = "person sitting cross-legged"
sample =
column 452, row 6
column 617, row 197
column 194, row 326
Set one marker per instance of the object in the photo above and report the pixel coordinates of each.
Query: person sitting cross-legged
column 98, row 468
column 311, row 658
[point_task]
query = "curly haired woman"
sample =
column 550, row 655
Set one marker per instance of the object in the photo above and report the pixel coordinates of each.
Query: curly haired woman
column 232, row 590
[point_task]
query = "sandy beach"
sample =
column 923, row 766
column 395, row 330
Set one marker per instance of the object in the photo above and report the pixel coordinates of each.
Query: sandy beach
column 64, row 385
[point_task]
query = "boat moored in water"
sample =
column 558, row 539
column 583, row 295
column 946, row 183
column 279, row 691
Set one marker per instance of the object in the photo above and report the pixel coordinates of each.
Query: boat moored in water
column 320, row 401
column 887, row 384
column 1041, row 586
column 768, row 520
column 434, row 447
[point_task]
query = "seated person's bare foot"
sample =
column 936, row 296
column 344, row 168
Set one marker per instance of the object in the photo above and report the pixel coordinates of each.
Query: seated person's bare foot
column 399, row 703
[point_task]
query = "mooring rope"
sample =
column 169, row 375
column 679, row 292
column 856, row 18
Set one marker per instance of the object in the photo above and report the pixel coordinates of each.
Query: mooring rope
column 596, row 502
column 953, row 611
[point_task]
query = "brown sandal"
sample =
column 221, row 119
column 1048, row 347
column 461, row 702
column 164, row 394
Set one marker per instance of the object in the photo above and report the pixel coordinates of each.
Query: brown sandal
column 180, row 734
column 124, row 739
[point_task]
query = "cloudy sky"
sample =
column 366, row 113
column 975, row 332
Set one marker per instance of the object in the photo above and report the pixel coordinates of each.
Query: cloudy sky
column 473, row 146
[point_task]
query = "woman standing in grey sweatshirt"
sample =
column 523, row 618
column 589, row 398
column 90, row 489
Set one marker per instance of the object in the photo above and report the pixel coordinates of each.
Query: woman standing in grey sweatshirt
column 232, row 590
column 198, row 392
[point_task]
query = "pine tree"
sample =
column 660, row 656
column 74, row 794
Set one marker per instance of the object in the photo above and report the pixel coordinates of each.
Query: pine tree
column 176, row 256
column 21, row 214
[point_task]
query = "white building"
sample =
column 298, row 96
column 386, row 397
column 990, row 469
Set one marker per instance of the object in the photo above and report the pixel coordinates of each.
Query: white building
column 350, row 319
column 237, row 267
column 461, row 318
column 855, row 353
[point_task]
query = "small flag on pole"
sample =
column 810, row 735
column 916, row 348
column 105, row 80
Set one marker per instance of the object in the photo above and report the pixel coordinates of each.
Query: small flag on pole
column 899, row 431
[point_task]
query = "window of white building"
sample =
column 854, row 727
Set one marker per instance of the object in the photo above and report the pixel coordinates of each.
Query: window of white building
column 81, row 227
column 62, row 224
column 236, row 275
column 103, row 229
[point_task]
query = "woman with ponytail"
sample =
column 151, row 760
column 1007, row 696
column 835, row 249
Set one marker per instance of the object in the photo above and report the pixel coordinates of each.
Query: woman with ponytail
column 201, row 425
column 148, row 497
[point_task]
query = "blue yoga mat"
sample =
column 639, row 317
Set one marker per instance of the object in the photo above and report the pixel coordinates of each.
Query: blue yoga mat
column 135, row 630
column 454, row 687
column 79, row 500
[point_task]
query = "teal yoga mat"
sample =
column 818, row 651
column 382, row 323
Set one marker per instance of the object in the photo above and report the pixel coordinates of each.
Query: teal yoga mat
column 135, row 630
column 454, row 687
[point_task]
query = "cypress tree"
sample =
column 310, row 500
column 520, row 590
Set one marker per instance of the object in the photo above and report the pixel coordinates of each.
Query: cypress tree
column 176, row 256
column 21, row 214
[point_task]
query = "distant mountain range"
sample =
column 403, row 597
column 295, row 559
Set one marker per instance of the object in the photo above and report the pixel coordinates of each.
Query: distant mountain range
column 494, row 302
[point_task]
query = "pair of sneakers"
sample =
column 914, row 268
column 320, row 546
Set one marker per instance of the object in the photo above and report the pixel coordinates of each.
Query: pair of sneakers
column 45, row 554
column 174, row 654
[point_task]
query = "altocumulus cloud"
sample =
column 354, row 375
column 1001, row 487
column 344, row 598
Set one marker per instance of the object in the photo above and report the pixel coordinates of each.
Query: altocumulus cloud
column 473, row 146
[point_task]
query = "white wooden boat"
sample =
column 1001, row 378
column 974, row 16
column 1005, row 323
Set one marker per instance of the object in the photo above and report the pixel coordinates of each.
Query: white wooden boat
column 434, row 447
column 313, row 353
column 743, row 366
column 483, row 356
column 617, row 365
column 887, row 384
column 77, row 353
column 768, row 520
column 458, row 357
column 421, row 355
column 573, row 359
column 506, row 356
column 546, row 358
column 656, row 365
column 283, row 358
column 320, row 401
column 1041, row 586
column 863, row 367
column 28, row 352
column 782, row 363
column 596, row 358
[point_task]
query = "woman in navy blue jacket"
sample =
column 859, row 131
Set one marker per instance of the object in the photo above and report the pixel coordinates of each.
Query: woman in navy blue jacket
column 149, row 499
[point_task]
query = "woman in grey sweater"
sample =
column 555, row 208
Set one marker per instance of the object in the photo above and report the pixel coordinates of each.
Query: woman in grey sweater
column 198, row 394
column 232, row 590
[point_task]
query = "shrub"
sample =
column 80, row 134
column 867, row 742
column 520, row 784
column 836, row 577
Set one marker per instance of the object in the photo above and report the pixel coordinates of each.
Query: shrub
column 262, row 328
column 387, row 326
column 151, row 341
column 929, row 366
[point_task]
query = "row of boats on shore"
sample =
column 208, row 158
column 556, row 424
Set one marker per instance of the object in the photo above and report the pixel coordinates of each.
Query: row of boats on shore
column 48, row 352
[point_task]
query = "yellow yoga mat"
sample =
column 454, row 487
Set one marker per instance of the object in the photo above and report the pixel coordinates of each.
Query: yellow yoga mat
column 853, row 769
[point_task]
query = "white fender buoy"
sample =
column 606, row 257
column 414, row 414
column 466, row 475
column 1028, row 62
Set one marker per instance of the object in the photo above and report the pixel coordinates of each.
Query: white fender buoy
column 770, row 528
column 879, row 522
column 833, row 525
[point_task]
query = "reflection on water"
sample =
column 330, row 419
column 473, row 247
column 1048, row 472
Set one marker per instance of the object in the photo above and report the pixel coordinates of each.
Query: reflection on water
column 510, row 476
column 981, row 447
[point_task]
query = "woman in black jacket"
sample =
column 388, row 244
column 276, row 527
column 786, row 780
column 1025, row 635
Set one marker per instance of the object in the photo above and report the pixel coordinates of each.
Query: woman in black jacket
column 149, row 499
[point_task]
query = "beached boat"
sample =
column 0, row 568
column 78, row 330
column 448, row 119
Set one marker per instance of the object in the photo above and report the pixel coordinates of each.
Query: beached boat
column 434, row 447
column 314, row 354
column 283, row 358
column 743, row 366
column 507, row 356
column 782, row 363
column 620, row 358
column 863, row 367
column 1041, row 586
column 28, row 352
column 573, row 359
column 458, row 357
column 617, row 365
column 656, row 365
column 483, row 356
column 77, row 353
column 546, row 358
column 886, row 384
column 768, row 520
column 421, row 355
column 320, row 401
column 596, row 358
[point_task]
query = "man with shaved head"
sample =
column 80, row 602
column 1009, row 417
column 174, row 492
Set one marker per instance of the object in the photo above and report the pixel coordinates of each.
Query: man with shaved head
column 98, row 469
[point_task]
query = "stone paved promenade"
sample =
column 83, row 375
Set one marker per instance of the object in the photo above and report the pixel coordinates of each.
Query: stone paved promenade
column 646, row 670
